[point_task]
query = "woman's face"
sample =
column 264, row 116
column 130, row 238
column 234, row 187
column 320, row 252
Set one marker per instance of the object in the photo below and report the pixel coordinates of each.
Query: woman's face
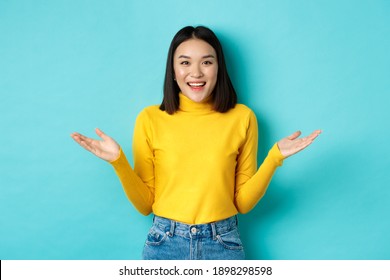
column 196, row 68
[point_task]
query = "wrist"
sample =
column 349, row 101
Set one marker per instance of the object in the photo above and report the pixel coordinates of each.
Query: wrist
column 115, row 156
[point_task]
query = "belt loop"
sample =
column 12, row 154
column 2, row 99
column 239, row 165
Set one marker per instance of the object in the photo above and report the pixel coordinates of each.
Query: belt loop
column 214, row 230
column 172, row 229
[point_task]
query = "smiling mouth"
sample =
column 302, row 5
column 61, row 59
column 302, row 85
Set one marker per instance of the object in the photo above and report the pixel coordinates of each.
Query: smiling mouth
column 196, row 85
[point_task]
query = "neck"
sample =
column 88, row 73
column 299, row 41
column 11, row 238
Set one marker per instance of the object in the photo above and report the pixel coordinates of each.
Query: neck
column 188, row 105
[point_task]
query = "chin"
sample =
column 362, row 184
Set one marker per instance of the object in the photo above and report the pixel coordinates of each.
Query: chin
column 198, row 97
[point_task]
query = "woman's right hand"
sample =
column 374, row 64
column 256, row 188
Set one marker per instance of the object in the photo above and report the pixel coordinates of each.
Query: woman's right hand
column 107, row 148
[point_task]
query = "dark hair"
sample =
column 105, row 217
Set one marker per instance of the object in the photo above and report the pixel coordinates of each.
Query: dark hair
column 223, row 97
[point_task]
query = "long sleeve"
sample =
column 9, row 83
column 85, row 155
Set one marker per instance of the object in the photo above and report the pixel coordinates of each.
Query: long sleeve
column 136, row 190
column 251, row 185
column 138, row 184
column 197, row 165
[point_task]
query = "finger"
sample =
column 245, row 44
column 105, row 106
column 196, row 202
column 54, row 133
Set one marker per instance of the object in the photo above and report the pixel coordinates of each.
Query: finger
column 81, row 138
column 314, row 135
column 101, row 134
column 306, row 141
column 85, row 142
column 74, row 134
column 295, row 135
column 76, row 137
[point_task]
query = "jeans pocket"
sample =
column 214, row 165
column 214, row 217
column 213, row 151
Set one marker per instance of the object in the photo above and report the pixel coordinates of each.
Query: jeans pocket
column 155, row 237
column 230, row 240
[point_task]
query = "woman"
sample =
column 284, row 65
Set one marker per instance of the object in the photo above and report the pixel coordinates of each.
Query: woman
column 195, row 156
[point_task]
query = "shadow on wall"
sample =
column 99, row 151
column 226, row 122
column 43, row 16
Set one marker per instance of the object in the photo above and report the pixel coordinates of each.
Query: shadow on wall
column 237, row 64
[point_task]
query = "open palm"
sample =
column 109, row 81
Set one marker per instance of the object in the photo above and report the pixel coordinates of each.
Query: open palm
column 292, row 144
column 107, row 148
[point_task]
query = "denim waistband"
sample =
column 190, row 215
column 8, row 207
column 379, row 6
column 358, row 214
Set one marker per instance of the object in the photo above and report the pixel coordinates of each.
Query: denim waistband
column 214, row 229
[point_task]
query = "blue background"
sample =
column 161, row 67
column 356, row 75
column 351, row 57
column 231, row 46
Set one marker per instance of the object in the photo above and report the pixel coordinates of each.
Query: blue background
column 75, row 65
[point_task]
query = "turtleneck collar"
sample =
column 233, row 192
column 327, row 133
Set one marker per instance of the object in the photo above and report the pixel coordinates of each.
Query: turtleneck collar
column 187, row 105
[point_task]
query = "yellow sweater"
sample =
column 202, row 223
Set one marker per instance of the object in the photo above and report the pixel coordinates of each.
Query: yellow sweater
column 197, row 165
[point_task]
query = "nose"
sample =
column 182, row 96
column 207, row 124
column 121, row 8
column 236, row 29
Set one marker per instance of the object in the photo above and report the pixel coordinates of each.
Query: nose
column 196, row 71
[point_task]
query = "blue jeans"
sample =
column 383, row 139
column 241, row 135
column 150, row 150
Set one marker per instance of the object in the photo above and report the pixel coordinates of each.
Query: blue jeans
column 171, row 240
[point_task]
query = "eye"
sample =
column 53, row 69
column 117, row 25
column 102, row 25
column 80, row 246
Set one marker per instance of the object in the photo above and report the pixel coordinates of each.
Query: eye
column 207, row 62
column 184, row 63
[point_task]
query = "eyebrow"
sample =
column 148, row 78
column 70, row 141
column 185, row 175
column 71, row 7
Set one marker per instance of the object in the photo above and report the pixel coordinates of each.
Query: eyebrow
column 188, row 57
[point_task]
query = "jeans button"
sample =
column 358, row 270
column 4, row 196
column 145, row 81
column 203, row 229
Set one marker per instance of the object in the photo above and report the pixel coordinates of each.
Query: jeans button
column 193, row 230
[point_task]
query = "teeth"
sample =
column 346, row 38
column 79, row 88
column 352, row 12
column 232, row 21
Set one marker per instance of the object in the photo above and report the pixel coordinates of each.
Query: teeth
column 196, row 84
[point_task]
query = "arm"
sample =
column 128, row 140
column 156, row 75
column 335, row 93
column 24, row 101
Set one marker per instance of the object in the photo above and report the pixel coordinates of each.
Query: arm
column 252, row 183
column 255, row 187
column 136, row 190
column 138, row 184
column 109, row 150
column 251, row 186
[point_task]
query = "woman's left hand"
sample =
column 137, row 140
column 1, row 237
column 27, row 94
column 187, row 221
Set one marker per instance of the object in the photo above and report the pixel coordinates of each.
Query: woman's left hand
column 292, row 144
